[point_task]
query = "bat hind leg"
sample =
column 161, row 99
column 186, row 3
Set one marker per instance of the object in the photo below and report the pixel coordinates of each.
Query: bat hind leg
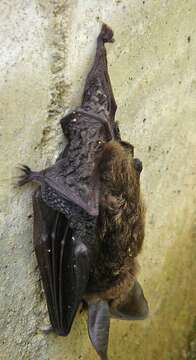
column 106, row 34
column 98, row 94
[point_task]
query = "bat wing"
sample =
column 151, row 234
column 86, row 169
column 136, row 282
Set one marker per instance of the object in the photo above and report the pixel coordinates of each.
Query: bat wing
column 57, row 193
column 62, row 185
column 63, row 262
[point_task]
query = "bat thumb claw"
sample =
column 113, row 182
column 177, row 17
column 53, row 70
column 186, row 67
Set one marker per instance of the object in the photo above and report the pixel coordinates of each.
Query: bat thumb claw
column 27, row 176
column 46, row 329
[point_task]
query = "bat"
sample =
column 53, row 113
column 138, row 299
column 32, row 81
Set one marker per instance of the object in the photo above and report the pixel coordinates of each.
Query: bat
column 89, row 215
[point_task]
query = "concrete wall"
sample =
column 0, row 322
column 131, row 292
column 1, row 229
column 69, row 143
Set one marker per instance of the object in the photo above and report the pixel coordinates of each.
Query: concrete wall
column 46, row 50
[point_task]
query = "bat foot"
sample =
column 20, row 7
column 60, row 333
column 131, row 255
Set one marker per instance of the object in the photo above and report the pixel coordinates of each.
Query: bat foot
column 106, row 34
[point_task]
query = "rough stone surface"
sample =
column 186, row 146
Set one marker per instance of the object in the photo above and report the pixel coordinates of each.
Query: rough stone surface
column 47, row 48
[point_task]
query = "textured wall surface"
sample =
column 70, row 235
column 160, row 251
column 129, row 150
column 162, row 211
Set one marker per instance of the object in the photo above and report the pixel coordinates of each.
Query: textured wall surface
column 47, row 48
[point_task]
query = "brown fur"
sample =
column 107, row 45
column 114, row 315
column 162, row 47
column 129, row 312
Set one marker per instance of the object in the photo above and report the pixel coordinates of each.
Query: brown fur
column 120, row 223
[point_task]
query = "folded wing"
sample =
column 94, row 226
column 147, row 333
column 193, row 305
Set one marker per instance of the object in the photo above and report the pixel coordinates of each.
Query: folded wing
column 63, row 263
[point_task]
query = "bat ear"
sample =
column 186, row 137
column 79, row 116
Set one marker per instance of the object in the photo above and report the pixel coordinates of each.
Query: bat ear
column 135, row 307
column 98, row 327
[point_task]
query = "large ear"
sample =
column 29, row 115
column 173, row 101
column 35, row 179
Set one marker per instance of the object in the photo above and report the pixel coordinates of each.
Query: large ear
column 98, row 327
column 135, row 307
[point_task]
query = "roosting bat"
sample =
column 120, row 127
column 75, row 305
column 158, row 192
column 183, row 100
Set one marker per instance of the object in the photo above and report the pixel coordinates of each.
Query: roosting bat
column 89, row 216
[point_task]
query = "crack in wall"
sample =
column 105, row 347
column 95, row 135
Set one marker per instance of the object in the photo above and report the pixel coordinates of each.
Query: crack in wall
column 59, row 83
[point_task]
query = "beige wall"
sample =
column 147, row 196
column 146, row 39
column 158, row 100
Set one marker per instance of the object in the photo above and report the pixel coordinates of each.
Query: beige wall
column 46, row 51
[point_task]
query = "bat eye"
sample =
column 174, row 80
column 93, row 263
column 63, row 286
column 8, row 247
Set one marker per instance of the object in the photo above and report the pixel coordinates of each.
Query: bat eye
column 138, row 165
column 100, row 144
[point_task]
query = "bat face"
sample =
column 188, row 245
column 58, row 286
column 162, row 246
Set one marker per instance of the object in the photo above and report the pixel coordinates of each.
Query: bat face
column 89, row 216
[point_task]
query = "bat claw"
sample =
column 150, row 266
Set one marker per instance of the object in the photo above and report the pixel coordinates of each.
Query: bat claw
column 28, row 175
column 106, row 34
column 46, row 329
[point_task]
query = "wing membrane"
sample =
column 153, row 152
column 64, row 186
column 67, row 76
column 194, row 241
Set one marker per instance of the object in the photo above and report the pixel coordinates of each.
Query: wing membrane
column 63, row 264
